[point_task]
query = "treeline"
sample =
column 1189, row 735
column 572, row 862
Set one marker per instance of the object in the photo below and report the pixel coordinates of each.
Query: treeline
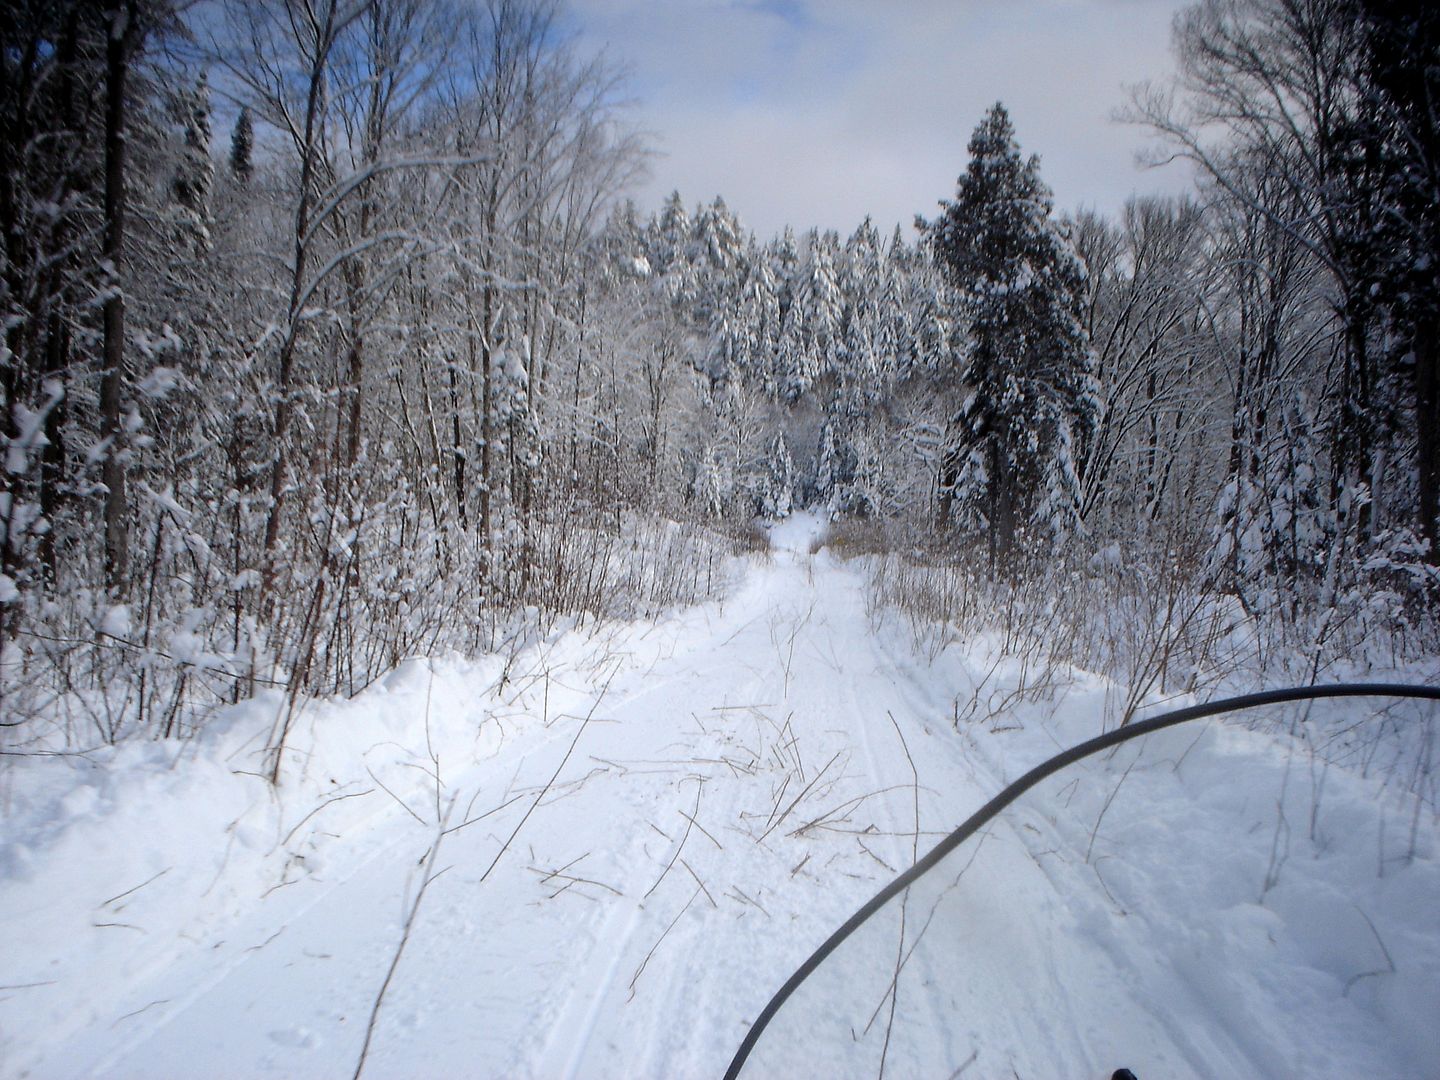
column 1239, row 387
column 274, row 401
column 327, row 334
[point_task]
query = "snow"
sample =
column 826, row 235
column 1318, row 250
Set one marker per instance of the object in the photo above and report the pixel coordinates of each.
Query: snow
column 30, row 427
column 116, row 622
column 1210, row 902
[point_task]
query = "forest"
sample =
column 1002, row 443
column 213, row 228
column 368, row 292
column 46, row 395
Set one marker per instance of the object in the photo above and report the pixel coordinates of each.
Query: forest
column 458, row 619
column 332, row 338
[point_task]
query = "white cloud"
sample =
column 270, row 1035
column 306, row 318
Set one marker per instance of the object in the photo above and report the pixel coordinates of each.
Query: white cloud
column 816, row 113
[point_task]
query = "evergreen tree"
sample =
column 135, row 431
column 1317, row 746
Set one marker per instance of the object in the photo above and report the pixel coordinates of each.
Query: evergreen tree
column 864, row 493
column 620, row 247
column 793, row 374
column 1026, row 374
column 757, row 323
column 864, row 287
column 1398, row 150
column 893, row 328
column 776, row 487
column 719, row 238
column 669, row 234
column 784, row 264
column 242, row 146
column 711, row 486
column 811, row 337
column 194, row 171
column 670, row 254
column 827, row 468
column 717, row 252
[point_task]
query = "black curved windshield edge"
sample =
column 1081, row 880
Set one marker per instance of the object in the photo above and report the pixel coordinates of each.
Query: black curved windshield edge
column 1024, row 784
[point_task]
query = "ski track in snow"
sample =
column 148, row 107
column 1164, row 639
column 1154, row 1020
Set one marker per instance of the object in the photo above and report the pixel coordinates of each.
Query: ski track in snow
column 741, row 786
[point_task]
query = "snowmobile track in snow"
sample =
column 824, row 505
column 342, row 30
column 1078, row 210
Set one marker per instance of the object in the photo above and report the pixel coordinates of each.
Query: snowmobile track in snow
column 751, row 772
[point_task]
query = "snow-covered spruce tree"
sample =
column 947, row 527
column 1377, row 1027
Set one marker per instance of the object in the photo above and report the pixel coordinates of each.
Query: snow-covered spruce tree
column 811, row 333
column 1397, row 145
column 784, row 255
column 242, row 146
column 864, row 287
column 717, row 250
column 828, row 470
column 668, row 250
column 1024, row 365
column 775, row 487
column 756, row 325
column 194, row 172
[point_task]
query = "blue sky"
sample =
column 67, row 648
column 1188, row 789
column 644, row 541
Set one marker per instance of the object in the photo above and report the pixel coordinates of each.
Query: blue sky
column 817, row 112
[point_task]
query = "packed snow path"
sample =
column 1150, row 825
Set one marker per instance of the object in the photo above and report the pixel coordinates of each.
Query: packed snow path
column 736, row 780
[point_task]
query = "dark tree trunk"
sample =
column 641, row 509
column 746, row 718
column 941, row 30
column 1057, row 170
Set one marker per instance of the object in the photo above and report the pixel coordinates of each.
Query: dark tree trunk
column 457, row 447
column 949, row 473
column 1002, row 505
column 487, row 433
column 119, row 46
column 354, row 374
column 1427, row 445
column 1360, row 420
column 284, row 405
column 52, row 458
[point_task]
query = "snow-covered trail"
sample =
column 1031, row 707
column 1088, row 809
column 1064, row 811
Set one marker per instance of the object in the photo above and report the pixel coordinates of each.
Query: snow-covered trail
column 739, row 778
column 724, row 803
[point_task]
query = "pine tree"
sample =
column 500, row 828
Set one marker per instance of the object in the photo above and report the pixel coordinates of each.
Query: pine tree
column 863, row 496
column 669, row 234
column 1026, row 375
column 190, row 185
column 1399, row 146
column 717, row 252
column 756, row 323
column 792, row 367
column 670, row 252
column 864, row 287
column 893, row 327
column 719, row 238
column 777, row 481
column 827, row 468
column 784, row 256
column 242, row 146
column 711, row 485
column 811, row 336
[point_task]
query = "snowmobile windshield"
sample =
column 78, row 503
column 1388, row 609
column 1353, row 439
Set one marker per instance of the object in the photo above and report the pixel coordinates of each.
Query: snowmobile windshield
column 1251, row 894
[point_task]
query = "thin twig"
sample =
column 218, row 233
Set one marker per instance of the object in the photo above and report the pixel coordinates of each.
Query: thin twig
column 322, row 806
column 429, row 877
column 776, row 808
column 569, row 881
column 137, row 1012
column 838, row 811
column 815, row 780
column 877, row 858
column 1389, row 960
column 1108, row 800
column 681, row 847
column 699, row 882
column 634, row 978
column 915, row 780
column 127, row 892
column 482, row 817
column 544, row 790
column 895, row 984
column 702, row 828
column 745, row 899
